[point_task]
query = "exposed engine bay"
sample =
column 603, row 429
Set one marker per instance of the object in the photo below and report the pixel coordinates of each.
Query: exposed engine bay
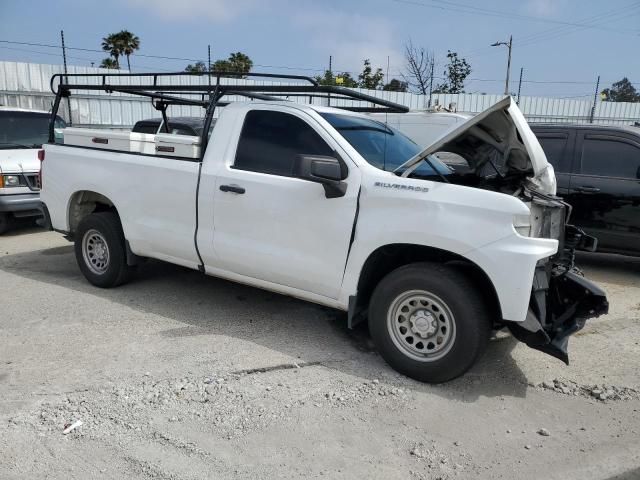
column 490, row 154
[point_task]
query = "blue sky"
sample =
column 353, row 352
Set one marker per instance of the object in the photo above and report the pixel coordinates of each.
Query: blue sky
column 556, row 41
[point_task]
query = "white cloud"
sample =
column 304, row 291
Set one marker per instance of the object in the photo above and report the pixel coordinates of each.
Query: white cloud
column 214, row 10
column 543, row 8
column 350, row 38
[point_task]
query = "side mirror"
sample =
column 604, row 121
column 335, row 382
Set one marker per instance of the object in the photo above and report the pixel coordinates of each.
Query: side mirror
column 324, row 170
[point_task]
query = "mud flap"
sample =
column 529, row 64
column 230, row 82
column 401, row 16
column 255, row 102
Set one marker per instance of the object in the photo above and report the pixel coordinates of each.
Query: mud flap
column 559, row 308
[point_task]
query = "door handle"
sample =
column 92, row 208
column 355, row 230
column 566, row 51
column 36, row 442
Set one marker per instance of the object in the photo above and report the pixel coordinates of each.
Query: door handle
column 587, row 189
column 232, row 189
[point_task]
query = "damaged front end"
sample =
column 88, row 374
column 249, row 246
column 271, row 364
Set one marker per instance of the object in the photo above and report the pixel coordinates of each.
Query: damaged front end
column 562, row 300
column 497, row 151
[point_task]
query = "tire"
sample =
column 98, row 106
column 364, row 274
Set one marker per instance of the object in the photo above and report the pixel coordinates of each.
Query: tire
column 100, row 250
column 429, row 321
column 5, row 222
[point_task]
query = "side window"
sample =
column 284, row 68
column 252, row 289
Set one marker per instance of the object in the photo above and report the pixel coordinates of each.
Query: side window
column 610, row 158
column 555, row 148
column 59, row 123
column 270, row 141
column 180, row 130
column 145, row 128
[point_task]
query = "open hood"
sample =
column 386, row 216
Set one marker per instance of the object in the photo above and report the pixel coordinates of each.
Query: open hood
column 503, row 128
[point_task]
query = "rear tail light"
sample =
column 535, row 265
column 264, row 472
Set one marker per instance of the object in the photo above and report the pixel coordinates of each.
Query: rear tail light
column 41, row 158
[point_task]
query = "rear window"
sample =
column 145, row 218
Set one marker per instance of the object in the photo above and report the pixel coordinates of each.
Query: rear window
column 25, row 129
column 145, row 127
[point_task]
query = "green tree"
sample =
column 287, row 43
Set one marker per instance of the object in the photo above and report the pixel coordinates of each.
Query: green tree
column 396, row 85
column 370, row 79
column 621, row 91
column 198, row 67
column 236, row 63
column 457, row 71
column 341, row 79
column 108, row 63
column 128, row 43
column 112, row 44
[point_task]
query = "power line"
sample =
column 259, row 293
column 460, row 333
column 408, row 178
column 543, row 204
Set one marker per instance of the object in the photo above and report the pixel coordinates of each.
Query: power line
column 393, row 73
column 556, row 32
column 464, row 8
column 97, row 51
column 593, row 21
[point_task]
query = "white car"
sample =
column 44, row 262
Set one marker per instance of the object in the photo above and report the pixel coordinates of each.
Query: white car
column 22, row 133
column 336, row 208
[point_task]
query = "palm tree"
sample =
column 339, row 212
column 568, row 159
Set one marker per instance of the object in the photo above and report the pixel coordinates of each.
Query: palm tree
column 108, row 63
column 112, row 44
column 128, row 43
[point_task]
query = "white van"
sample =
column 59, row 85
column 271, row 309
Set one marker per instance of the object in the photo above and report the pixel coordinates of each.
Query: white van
column 22, row 133
column 423, row 127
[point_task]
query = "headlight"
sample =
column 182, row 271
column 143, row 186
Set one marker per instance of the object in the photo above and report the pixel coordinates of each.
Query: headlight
column 522, row 225
column 546, row 182
column 10, row 181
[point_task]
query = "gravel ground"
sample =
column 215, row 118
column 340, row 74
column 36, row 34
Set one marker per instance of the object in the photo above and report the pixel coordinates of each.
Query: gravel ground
column 181, row 376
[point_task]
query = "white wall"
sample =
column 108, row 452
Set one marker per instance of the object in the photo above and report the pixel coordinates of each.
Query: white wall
column 26, row 85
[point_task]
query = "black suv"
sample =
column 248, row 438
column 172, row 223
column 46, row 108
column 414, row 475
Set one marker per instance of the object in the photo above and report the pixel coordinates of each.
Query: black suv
column 598, row 172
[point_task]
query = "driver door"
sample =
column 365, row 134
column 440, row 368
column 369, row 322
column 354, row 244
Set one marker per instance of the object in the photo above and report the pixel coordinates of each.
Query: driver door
column 272, row 226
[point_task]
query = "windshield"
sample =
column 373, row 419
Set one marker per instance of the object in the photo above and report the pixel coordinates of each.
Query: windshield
column 25, row 129
column 380, row 145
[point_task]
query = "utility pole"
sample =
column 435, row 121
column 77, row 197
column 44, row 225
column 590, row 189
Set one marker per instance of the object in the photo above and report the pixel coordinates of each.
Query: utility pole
column 520, row 85
column 332, row 80
column 209, row 64
column 595, row 99
column 66, row 79
column 431, row 84
column 509, row 45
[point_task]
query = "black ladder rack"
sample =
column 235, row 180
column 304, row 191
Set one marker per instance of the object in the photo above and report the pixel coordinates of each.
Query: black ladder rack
column 152, row 86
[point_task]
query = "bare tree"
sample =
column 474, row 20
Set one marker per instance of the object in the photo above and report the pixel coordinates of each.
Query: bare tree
column 418, row 68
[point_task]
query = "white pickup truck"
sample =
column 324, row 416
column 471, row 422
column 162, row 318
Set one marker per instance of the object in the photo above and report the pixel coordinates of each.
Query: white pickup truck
column 336, row 208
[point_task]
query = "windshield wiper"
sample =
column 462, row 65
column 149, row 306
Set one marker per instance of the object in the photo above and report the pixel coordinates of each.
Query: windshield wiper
column 18, row 145
column 430, row 163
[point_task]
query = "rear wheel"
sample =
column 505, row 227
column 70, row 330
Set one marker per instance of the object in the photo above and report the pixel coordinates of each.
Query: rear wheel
column 100, row 250
column 429, row 321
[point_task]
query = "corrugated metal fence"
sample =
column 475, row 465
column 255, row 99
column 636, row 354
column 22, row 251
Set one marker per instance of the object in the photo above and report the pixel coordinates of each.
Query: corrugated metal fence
column 26, row 85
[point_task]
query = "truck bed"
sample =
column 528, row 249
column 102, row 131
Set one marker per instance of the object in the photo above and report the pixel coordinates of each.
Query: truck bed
column 143, row 189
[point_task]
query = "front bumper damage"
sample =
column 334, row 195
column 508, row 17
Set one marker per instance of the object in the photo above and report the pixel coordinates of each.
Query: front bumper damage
column 562, row 300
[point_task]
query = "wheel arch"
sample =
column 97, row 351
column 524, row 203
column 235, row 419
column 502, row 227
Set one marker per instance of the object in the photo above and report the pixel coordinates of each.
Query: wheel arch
column 86, row 202
column 388, row 258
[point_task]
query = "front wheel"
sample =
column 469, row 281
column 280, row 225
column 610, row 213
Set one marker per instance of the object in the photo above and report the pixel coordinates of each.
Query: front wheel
column 429, row 321
column 5, row 222
column 100, row 250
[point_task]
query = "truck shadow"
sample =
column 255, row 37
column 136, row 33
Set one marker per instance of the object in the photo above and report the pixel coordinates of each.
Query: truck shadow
column 306, row 332
column 610, row 267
